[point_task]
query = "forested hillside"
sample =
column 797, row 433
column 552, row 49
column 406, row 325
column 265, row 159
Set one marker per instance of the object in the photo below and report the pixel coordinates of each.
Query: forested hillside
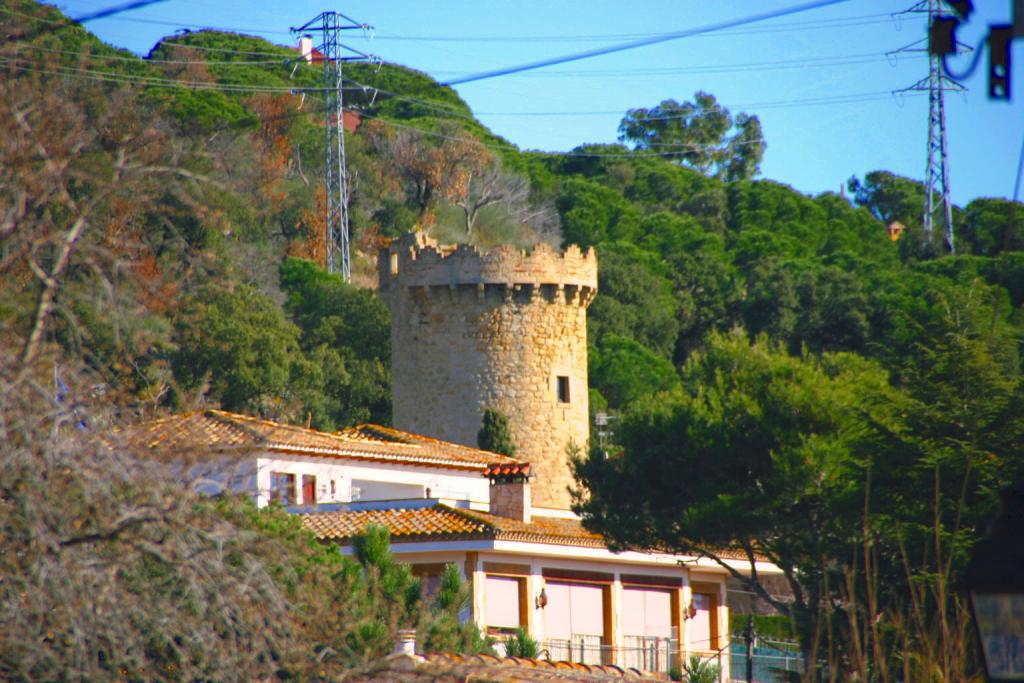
column 162, row 244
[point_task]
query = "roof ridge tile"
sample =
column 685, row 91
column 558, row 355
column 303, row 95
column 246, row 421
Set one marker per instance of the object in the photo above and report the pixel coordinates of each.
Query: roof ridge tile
column 468, row 516
column 232, row 420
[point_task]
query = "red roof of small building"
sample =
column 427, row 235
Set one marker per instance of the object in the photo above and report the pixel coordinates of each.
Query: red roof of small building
column 219, row 431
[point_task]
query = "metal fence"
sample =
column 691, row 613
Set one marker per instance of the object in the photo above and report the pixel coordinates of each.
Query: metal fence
column 773, row 660
column 585, row 649
column 650, row 653
column 645, row 653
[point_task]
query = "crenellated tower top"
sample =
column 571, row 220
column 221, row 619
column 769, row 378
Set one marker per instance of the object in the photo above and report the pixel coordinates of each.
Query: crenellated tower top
column 415, row 260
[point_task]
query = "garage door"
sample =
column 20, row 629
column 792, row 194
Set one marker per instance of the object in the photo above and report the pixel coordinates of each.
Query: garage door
column 647, row 612
column 573, row 609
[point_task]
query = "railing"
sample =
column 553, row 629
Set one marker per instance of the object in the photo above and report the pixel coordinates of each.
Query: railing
column 645, row 653
column 650, row 653
column 771, row 658
column 585, row 649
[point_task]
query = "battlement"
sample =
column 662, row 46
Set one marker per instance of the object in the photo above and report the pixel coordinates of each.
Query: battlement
column 417, row 261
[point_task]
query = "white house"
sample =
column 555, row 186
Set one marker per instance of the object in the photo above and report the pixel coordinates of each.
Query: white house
column 447, row 503
column 304, row 467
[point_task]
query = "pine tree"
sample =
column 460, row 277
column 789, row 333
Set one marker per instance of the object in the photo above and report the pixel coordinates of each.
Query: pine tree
column 495, row 435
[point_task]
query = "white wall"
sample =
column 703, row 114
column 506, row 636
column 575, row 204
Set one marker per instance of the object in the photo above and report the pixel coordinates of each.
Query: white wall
column 373, row 478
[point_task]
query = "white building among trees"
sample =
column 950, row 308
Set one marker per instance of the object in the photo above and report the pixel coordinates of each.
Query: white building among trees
column 446, row 503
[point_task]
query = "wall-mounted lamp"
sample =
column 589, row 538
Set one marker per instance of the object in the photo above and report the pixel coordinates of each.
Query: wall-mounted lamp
column 542, row 599
column 690, row 611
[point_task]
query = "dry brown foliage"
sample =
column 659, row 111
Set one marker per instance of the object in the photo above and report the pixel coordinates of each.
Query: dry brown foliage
column 111, row 568
column 429, row 172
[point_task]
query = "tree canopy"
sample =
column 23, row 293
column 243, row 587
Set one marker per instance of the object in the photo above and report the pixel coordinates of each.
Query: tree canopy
column 701, row 134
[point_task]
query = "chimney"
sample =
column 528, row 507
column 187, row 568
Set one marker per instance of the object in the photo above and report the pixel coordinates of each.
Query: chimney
column 306, row 48
column 510, row 491
column 406, row 643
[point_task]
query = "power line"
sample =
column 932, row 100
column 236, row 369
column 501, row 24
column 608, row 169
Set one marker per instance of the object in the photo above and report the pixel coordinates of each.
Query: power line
column 436, row 106
column 145, row 60
column 839, row 22
column 225, row 50
column 850, row 98
column 200, row 27
column 161, row 82
column 51, row 25
column 865, row 58
column 686, row 33
column 149, row 81
column 582, row 155
column 116, row 9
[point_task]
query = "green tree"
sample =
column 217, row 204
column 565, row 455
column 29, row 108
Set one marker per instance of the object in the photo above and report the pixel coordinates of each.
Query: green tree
column 697, row 134
column 889, row 197
column 521, row 644
column 773, row 437
column 236, row 348
column 592, row 213
column 494, row 434
column 636, row 299
column 441, row 628
column 993, row 226
column 704, row 281
column 624, row 371
column 700, row 670
column 346, row 332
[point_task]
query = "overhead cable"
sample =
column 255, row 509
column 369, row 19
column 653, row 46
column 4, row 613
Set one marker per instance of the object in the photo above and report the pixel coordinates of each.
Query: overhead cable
column 653, row 40
column 839, row 22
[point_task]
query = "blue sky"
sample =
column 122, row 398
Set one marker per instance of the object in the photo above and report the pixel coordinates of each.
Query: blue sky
column 820, row 81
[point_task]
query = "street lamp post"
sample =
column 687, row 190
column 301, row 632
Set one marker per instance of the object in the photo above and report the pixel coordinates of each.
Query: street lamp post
column 994, row 580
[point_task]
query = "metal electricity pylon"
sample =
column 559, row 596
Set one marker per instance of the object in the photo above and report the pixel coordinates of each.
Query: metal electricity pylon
column 330, row 53
column 937, row 199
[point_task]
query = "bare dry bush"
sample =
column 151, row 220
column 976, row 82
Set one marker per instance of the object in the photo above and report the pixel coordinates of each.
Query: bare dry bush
column 112, row 568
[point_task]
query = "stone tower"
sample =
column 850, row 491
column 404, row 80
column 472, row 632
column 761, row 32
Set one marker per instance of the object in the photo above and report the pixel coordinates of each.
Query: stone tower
column 502, row 329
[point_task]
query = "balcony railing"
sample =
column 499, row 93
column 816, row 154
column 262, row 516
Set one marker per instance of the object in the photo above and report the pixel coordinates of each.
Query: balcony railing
column 645, row 653
column 650, row 653
column 585, row 649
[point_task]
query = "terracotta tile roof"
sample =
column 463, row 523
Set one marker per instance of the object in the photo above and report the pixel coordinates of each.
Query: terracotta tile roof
column 453, row 668
column 218, row 430
column 445, row 523
column 420, row 523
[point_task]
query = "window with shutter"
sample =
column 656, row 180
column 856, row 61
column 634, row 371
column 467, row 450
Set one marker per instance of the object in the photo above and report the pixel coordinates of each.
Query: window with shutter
column 501, row 596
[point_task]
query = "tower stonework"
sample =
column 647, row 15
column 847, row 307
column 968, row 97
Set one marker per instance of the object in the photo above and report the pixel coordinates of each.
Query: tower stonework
column 504, row 329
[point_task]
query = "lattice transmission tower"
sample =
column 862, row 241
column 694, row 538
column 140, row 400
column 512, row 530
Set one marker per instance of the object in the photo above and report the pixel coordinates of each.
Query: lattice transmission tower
column 331, row 54
column 937, row 199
